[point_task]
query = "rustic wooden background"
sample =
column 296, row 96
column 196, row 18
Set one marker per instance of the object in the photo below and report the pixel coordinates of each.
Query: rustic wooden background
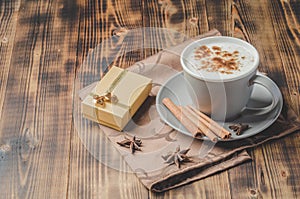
column 43, row 43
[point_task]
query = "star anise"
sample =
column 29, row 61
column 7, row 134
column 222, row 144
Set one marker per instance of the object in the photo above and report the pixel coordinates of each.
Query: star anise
column 239, row 128
column 177, row 157
column 133, row 144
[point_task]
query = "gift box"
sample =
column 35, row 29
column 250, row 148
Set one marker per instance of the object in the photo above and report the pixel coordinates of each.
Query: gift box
column 116, row 97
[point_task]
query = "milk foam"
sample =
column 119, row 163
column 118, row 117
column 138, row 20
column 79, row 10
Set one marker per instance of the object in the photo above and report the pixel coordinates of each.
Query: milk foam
column 220, row 60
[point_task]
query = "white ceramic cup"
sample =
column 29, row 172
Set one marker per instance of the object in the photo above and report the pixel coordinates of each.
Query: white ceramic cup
column 221, row 72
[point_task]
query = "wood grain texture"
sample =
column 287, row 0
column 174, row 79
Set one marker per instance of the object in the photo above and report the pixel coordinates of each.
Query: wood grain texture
column 45, row 44
column 190, row 18
column 270, row 32
column 287, row 36
column 219, row 17
column 8, row 18
column 274, row 175
column 266, row 181
column 34, row 130
column 92, row 175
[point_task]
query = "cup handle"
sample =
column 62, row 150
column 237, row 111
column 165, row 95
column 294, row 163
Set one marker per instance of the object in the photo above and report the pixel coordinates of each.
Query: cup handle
column 271, row 87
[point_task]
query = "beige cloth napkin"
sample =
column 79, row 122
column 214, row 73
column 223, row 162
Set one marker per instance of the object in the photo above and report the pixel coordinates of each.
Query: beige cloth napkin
column 159, row 139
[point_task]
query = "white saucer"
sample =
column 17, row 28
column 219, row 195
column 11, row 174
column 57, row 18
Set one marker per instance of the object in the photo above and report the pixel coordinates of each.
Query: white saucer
column 175, row 89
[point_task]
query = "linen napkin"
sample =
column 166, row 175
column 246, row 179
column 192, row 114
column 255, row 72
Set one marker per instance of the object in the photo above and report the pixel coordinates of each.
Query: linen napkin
column 159, row 140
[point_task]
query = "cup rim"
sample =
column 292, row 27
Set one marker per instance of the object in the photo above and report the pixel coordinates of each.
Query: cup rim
column 228, row 38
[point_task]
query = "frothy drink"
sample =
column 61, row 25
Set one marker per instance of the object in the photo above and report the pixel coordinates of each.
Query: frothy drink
column 220, row 60
column 219, row 71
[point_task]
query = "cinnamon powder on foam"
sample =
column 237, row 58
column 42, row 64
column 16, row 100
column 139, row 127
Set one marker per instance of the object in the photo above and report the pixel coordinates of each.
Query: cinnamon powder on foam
column 215, row 59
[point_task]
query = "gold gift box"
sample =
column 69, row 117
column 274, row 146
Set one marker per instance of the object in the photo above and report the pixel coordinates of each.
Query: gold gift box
column 116, row 98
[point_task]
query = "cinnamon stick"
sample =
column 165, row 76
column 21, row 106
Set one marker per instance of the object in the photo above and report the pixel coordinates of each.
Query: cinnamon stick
column 203, row 128
column 211, row 124
column 176, row 111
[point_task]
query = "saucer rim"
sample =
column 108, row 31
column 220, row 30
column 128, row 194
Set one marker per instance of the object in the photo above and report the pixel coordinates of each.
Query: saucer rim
column 268, row 121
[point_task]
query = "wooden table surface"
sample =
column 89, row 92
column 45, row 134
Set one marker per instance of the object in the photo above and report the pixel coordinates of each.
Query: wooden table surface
column 43, row 44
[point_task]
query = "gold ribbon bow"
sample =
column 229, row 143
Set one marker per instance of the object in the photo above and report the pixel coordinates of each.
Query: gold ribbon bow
column 100, row 100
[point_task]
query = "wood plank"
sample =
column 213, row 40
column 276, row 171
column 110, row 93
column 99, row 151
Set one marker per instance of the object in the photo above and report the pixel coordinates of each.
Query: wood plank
column 166, row 18
column 273, row 173
column 112, row 186
column 92, row 174
column 280, row 173
column 219, row 17
column 43, row 44
column 104, row 19
column 242, row 179
column 287, row 36
column 281, row 159
column 280, row 61
column 37, row 110
column 188, row 18
column 269, row 174
column 8, row 17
